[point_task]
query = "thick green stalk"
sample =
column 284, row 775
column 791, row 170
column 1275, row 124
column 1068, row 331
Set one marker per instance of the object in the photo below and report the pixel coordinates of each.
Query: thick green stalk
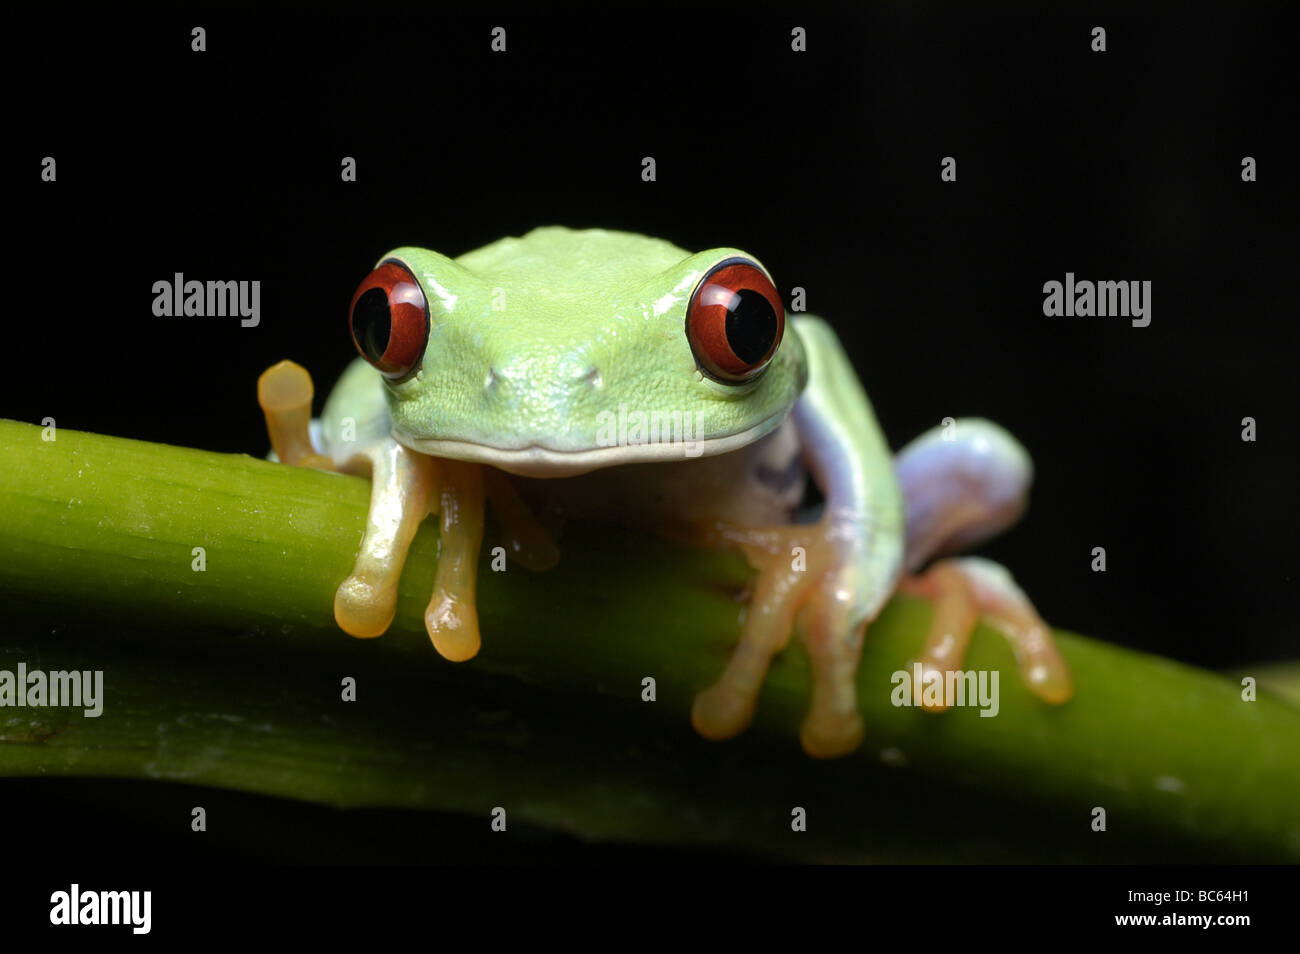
column 232, row 677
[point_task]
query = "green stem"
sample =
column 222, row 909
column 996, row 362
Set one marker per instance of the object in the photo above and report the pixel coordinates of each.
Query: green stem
column 232, row 677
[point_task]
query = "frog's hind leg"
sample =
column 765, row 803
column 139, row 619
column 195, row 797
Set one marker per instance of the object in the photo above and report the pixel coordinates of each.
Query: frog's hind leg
column 965, row 589
column 963, row 484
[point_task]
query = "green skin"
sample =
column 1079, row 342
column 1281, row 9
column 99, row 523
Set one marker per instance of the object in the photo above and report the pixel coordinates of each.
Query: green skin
column 535, row 342
column 538, row 314
column 519, row 326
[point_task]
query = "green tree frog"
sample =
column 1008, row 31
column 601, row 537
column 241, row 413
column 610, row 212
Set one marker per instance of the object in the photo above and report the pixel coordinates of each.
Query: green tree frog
column 613, row 374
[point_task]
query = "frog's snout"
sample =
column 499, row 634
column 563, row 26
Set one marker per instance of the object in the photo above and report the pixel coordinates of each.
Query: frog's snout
column 526, row 381
column 590, row 376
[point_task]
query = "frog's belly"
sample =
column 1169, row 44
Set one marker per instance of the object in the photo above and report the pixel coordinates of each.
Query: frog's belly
column 760, row 484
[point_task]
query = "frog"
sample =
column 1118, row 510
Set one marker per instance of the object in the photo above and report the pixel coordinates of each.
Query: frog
column 608, row 374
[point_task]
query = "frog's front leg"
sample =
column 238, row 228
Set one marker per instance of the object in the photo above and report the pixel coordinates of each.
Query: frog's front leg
column 406, row 486
column 830, row 578
column 285, row 392
column 452, row 616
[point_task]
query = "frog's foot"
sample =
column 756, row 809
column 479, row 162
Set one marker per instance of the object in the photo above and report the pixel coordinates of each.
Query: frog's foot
column 963, row 590
column 833, row 638
column 285, row 391
column 452, row 616
column 800, row 573
column 406, row 486
column 401, row 491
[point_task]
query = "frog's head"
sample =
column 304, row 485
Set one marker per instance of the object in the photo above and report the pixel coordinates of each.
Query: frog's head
column 562, row 351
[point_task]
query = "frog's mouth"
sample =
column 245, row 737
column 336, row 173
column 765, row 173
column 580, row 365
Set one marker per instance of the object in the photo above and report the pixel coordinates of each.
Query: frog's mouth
column 539, row 461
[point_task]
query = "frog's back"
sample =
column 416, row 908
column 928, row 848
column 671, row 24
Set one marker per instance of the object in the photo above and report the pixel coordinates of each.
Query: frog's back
column 559, row 259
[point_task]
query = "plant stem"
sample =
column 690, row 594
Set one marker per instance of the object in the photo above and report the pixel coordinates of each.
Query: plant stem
column 231, row 676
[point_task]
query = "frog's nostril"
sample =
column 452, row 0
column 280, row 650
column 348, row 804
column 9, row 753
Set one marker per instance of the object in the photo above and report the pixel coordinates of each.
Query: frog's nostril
column 490, row 382
column 593, row 377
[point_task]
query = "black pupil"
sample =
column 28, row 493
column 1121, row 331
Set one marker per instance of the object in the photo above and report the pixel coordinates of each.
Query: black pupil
column 751, row 325
column 372, row 323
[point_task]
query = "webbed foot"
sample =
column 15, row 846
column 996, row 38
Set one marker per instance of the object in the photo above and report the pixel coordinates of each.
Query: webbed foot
column 804, row 582
column 966, row 589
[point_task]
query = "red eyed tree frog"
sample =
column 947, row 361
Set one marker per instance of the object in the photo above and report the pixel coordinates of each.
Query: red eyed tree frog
column 511, row 373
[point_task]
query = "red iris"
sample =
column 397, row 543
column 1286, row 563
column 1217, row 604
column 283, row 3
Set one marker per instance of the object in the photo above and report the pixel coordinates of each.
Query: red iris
column 389, row 319
column 735, row 321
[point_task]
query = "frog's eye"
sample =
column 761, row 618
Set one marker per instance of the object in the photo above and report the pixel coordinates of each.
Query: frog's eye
column 735, row 321
column 390, row 320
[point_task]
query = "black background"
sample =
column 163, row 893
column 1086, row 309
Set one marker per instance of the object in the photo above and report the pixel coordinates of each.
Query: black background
column 1118, row 165
column 1123, row 165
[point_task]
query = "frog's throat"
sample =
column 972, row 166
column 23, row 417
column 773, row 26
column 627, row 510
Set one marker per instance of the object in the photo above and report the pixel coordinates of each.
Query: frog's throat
column 538, row 461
